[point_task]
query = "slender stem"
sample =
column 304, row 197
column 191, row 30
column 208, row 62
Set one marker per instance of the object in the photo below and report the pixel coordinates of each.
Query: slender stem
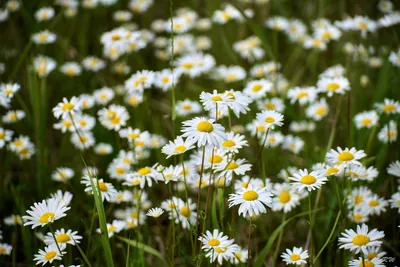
column 55, row 239
column 311, row 226
column 279, row 241
column 249, row 245
column 198, row 198
column 173, row 110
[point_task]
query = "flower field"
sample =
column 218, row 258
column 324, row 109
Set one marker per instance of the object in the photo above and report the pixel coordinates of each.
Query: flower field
column 200, row 133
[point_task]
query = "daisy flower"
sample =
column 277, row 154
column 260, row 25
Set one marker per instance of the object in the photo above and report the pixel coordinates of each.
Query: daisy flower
column 12, row 116
column 270, row 119
column 230, row 167
column 302, row 95
column 203, row 132
column 297, row 256
column 211, row 100
column 44, row 14
column 374, row 252
column 63, row 237
column 394, row 168
column 103, row 95
column 5, row 136
column 13, row 220
column 83, row 140
column 272, row 104
column 394, row 57
column 395, row 201
column 308, row 180
column 345, row 156
column 274, row 139
column 187, row 107
column 366, row 119
column 318, row 110
column 233, row 143
column 115, row 227
column 66, row 107
column 48, row 255
column 92, row 63
column 257, row 89
column 10, row 89
column 333, row 85
column 71, row 69
column 375, row 262
column 43, row 65
column 361, row 239
column 222, row 253
column 214, row 240
column 62, row 174
column 155, row 212
column 284, row 197
column 44, row 37
column 106, row 190
column 114, row 117
column 388, row 133
column 389, row 106
column 45, row 212
column 251, row 200
column 376, row 205
column 103, row 149
column 185, row 213
column 293, row 143
column 240, row 256
column 5, row 249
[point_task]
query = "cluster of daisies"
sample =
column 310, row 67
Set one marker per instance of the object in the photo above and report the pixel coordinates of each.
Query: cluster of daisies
column 205, row 159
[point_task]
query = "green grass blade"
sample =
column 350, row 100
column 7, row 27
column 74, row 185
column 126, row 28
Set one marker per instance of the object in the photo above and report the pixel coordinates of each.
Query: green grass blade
column 144, row 247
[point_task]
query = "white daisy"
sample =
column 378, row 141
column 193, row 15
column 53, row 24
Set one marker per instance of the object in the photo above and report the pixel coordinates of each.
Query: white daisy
column 297, row 256
column 360, row 239
column 63, row 237
column 308, row 180
column 48, row 255
column 204, row 132
column 45, row 212
column 345, row 156
column 155, row 212
column 251, row 200
column 394, row 168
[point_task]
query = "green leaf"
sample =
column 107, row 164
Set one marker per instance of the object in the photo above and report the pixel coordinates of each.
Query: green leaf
column 274, row 235
column 143, row 247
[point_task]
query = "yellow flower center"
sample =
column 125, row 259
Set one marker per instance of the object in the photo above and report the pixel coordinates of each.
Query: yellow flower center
column 228, row 143
column 120, row 170
column 360, row 240
column 103, row 187
column 357, row 217
column 284, row 197
column 332, row 170
column 67, row 106
column 50, row 255
column 231, row 77
column 2, row 251
column 112, row 228
column 270, row 106
column 367, row 263
column 389, row 107
column 185, row 211
column 220, row 250
column 308, row 179
column 135, row 182
column 327, row 35
column 332, row 86
column 180, row 149
column 187, row 65
column 371, row 255
column 250, row 195
column 374, row 203
column 363, row 26
column 187, row 107
column 366, row 121
column 345, row 156
column 144, row 171
column 2, row 135
column 269, row 120
column 294, row 257
column 256, row 88
column 63, row 238
column 213, row 242
column 215, row 159
column 302, row 94
column 205, row 127
column 232, row 165
column 46, row 217
column 320, row 111
column 216, row 98
column 358, row 199
column 171, row 206
column 260, row 128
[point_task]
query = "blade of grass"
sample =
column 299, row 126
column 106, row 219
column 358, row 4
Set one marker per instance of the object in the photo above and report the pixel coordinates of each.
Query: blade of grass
column 264, row 252
column 143, row 247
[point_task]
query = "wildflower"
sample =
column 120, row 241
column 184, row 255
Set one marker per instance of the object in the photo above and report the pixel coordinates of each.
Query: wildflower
column 5, row 249
column 44, row 37
column 63, row 237
column 251, row 200
column 302, row 95
column 394, row 168
column 43, row 65
column 114, row 117
column 388, row 133
column 71, row 69
column 297, row 256
column 308, row 180
column 62, row 174
column 361, row 239
column 345, row 156
column 5, row 136
column 13, row 220
column 45, row 212
column 388, row 106
column 48, row 255
column 285, row 198
column 65, row 108
column 106, row 190
column 44, row 14
column 92, row 63
column 375, row 262
column 366, row 119
column 155, row 213
column 203, row 132
column 103, row 95
column 334, row 85
column 233, row 143
column 258, row 88
column 270, row 119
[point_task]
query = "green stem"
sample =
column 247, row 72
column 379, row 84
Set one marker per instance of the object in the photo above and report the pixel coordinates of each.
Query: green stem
column 279, row 242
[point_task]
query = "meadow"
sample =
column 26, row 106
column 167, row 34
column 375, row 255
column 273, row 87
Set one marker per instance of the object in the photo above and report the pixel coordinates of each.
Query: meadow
column 199, row 133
